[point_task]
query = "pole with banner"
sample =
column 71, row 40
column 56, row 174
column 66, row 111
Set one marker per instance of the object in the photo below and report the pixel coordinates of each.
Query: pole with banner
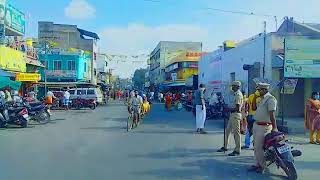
column 2, row 24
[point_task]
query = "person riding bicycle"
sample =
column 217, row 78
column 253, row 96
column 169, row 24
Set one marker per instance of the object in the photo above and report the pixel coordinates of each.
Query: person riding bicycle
column 135, row 106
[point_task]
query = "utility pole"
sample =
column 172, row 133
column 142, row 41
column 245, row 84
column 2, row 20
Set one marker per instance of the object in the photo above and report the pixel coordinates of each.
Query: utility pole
column 264, row 48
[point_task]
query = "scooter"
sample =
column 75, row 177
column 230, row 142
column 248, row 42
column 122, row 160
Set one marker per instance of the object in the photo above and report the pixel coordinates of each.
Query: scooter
column 278, row 151
column 13, row 116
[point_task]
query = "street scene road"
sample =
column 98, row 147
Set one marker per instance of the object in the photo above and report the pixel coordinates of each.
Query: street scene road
column 86, row 144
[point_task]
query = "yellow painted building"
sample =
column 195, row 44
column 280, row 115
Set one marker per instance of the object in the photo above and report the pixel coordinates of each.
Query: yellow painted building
column 12, row 60
column 182, row 66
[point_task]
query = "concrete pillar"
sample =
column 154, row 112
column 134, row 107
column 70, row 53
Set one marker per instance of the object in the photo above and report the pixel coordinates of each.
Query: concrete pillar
column 307, row 89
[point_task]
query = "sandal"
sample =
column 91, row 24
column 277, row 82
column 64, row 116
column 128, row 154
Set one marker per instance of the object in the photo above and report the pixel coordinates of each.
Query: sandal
column 254, row 168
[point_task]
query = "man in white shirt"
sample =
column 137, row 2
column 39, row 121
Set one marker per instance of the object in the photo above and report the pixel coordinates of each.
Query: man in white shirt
column 66, row 99
column 213, row 99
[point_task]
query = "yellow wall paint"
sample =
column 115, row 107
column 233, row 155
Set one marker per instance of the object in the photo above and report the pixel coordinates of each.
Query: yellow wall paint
column 12, row 60
column 184, row 73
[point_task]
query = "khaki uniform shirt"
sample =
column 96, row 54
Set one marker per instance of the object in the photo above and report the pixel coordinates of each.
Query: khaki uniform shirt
column 236, row 98
column 268, row 103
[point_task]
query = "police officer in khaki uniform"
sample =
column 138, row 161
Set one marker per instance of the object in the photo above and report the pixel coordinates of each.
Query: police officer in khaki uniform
column 265, row 122
column 234, row 119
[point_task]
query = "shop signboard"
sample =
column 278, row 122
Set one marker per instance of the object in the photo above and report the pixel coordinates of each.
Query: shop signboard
column 2, row 28
column 289, row 86
column 61, row 74
column 302, row 58
column 15, row 19
column 28, row 77
column 172, row 67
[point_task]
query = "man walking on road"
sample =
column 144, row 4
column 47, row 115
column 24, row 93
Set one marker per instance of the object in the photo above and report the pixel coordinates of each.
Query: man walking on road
column 200, row 109
column 265, row 122
column 234, row 120
column 66, row 99
column 250, row 118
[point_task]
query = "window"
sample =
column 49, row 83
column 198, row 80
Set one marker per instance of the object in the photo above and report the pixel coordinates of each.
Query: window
column 90, row 91
column 81, row 92
column 56, row 65
column 71, row 92
column 85, row 67
column 232, row 76
column 71, row 65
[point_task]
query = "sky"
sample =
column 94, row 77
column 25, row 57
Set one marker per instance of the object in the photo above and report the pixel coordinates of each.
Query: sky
column 131, row 27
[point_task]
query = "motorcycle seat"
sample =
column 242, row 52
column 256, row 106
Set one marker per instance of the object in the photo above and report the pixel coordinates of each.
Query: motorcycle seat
column 36, row 108
column 33, row 104
column 16, row 109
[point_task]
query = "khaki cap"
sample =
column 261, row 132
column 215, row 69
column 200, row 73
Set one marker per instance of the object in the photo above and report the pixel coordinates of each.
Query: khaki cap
column 236, row 83
column 263, row 85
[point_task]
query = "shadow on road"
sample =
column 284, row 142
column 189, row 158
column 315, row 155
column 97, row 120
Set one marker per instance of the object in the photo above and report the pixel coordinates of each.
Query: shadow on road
column 178, row 131
column 120, row 119
column 107, row 129
column 210, row 165
column 176, row 153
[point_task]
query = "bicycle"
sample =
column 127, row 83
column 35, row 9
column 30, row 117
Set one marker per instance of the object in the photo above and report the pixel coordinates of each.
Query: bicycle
column 130, row 121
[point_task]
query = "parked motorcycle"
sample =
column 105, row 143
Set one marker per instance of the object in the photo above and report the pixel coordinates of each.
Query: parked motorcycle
column 38, row 112
column 217, row 111
column 13, row 116
column 80, row 103
column 278, row 151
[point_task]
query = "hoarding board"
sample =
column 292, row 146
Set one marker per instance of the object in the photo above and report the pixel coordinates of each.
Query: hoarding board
column 302, row 58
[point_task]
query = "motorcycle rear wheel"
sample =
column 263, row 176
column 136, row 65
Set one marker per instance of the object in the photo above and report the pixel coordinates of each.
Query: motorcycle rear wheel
column 44, row 118
column 93, row 106
column 290, row 170
column 24, row 124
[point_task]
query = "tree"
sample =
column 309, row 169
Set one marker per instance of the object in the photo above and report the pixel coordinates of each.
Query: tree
column 139, row 78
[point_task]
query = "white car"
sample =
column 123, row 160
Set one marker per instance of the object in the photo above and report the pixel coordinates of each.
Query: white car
column 87, row 93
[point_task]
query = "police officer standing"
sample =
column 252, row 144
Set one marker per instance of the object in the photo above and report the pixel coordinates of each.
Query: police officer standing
column 265, row 122
column 234, row 119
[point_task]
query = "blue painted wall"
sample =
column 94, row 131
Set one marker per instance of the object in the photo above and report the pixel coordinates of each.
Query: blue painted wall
column 80, row 63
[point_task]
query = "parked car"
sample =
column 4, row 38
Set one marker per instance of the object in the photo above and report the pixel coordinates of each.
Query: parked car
column 87, row 93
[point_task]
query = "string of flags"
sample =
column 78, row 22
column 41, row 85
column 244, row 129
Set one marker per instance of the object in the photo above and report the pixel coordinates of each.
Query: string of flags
column 141, row 58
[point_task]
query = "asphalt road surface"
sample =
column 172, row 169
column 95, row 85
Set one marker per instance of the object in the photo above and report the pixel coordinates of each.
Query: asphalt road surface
column 94, row 145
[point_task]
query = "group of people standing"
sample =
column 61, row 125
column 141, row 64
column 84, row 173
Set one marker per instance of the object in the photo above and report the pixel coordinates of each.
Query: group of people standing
column 257, row 111
column 172, row 98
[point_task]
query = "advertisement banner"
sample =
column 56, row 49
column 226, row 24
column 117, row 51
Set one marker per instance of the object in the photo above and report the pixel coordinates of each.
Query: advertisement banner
column 302, row 58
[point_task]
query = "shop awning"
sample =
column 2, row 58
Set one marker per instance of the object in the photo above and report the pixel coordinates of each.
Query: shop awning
column 34, row 62
column 4, row 73
column 174, row 84
column 7, row 82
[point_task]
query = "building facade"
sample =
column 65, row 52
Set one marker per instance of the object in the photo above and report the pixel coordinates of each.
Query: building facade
column 16, row 55
column 71, row 67
column 161, row 56
column 181, row 68
column 69, row 37
column 261, row 58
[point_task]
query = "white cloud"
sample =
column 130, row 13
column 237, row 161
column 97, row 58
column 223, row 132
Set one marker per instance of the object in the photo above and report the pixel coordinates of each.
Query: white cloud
column 138, row 38
column 80, row 9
